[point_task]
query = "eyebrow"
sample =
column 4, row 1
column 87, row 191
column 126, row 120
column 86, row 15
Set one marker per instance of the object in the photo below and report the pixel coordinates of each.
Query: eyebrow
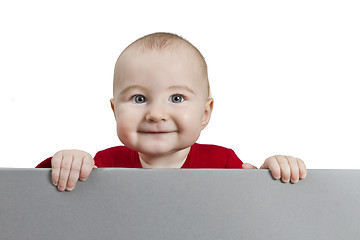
column 132, row 87
column 177, row 87
column 182, row 87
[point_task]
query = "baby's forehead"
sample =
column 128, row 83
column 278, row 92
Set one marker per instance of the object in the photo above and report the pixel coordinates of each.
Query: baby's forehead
column 175, row 64
column 134, row 59
column 142, row 51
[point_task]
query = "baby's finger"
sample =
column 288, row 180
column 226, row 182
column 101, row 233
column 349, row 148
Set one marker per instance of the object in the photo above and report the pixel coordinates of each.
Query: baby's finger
column 55, row 165
column 248, row 166
column 285, row 168
column 302, row 168
column 64, row 171
column 272, row 164
column 74, row 173
column 86, row 168
column 294, row 169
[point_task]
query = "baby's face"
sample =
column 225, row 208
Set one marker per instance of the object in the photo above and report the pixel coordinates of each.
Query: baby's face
column 160, row 100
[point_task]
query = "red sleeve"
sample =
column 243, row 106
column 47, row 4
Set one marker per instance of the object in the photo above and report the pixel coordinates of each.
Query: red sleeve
column 98, row 160
column 45, row 164
column 233, row 160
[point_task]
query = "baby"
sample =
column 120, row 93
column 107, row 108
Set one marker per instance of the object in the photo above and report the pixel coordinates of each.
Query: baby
column 161, row 103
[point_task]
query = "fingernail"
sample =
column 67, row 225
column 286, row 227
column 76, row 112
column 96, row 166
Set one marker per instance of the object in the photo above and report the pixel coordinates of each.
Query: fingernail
column 61, row 188
column 55, row 183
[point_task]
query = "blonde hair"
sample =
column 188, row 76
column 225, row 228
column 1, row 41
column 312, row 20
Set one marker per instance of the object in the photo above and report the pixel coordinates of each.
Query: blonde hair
column 163, row 41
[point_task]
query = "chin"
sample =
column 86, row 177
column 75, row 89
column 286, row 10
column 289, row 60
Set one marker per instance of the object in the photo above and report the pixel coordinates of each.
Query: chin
column 154, row 152
column 154, row 149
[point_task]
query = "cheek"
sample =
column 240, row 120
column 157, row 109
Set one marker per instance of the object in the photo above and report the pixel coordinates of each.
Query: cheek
column 127, row 123
column 190, row 120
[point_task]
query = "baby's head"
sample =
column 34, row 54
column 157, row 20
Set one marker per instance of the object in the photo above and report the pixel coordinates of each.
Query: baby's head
column 161, row 94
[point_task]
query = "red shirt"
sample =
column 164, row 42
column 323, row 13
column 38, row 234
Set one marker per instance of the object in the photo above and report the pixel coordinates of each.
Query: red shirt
column 200, row 156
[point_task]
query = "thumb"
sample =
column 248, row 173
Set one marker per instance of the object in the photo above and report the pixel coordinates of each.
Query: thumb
column 248, row 166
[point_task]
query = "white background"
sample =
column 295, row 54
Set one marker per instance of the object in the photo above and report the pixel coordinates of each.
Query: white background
column 284, row 75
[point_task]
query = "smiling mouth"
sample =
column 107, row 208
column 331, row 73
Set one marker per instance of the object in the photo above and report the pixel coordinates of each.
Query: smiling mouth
column 145, row 132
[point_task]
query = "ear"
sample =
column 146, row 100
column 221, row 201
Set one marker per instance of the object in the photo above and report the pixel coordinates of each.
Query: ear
column 207, row 114
column 112, row 106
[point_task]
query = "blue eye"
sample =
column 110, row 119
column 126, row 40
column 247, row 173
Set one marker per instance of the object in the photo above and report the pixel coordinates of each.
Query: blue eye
column 139, row 99
column 177, row 98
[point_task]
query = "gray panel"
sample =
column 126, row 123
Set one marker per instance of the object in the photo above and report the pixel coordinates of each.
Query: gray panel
column 180, row 204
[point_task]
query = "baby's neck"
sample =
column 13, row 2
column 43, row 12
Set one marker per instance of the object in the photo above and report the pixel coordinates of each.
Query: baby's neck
column 172, row 160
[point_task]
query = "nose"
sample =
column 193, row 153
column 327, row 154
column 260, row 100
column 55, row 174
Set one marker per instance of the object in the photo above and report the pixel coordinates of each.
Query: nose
column 156, row 113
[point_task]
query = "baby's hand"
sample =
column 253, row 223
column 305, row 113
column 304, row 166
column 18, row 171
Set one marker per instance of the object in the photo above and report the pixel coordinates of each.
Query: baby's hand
column 285, row 167
column 70, row 165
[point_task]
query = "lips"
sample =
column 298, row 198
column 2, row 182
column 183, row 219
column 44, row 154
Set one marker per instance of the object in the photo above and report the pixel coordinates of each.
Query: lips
column 156, row 129
column 156, row 132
